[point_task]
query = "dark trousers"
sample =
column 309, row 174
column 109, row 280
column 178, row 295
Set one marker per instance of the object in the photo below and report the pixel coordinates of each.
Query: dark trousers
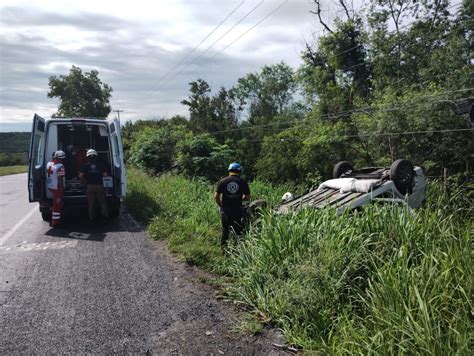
column 96, row 192
column 230, row 220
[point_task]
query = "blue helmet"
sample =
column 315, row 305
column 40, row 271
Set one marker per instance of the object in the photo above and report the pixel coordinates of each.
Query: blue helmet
column 235, row 167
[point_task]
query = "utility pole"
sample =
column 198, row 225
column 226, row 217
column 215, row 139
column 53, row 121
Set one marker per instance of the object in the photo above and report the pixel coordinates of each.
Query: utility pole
column 118, row 113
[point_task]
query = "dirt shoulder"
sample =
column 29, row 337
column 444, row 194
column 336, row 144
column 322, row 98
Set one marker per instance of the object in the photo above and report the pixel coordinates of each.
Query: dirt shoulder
column 202, row 323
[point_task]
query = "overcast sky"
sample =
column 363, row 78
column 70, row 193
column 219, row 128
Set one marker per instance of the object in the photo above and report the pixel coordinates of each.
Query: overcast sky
column 133, row 44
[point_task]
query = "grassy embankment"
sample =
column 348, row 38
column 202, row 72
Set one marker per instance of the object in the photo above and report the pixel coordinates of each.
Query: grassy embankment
column 383, row 281
column 184, row 213
column 12, row 170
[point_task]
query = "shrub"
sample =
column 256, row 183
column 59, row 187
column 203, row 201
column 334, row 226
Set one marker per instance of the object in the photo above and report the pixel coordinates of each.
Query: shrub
column 153, row 149
column 202, row 156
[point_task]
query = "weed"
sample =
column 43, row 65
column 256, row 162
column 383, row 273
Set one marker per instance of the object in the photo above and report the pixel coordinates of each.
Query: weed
column 249, row 324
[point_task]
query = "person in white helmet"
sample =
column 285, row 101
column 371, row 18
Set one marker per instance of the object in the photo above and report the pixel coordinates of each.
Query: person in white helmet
column 55, row 174
column 91, row 174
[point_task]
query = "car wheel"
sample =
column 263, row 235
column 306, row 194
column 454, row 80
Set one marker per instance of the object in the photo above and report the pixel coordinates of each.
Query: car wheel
column 340, row 168
column 402, row 174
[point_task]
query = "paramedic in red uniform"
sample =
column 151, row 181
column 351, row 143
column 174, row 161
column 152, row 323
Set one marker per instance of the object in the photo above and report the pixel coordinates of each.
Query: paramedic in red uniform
column 91, row 174
column 56, row 182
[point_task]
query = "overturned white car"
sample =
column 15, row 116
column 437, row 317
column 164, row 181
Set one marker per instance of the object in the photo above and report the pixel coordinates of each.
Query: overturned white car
column 351, row 189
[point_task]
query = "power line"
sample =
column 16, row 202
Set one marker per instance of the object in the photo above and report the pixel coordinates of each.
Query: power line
column 251, row 28
column 384, row 134
column 261, row 20
column 197, row 46
column 340, row 114
column 388, row 33
column 221, row 37
column 118, row 111
column 409, row 132
column 264, row 18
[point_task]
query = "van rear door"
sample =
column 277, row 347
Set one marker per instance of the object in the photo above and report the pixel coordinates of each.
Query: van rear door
column 120, row 179
column 36, row 177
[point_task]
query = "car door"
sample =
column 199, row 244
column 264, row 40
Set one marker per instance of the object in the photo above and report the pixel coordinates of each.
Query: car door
column 36, row 163
column 120, row 180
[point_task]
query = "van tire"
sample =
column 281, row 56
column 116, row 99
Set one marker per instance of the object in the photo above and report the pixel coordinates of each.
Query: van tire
column 115, row 211
column 46, row 215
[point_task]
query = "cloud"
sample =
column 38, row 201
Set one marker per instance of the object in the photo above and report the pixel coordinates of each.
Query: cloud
column 132, row 54
column 17, row 17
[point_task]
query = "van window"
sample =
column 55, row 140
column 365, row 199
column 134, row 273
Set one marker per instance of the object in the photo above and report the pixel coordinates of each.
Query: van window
column 116, row 152
column 40, row 125
column 76, row 139
column 38, row 151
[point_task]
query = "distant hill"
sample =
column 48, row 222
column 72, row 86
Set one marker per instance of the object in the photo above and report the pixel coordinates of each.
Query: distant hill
column 14, row 142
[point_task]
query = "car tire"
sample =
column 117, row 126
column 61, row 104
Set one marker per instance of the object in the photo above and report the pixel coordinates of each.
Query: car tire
column 340, row 168
column 402, row 174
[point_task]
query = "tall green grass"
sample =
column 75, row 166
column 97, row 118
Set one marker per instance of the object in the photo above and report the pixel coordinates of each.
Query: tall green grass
column 184, row 212
column 7, row 170
column 382, row 281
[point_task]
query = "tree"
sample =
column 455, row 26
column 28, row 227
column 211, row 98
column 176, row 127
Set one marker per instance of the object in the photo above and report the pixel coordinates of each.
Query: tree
column 154, row 148
column 266, row 94
column 80, row 94
column 278, row 161
column 202, row 156
column 210, row 114
column 335, row 71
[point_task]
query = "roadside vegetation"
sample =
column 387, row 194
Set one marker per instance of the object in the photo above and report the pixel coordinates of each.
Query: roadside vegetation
column 363, row 94
column 7, row 170
column 381, row 281
column 183, row 212
column 384, row 280
column 14, row 148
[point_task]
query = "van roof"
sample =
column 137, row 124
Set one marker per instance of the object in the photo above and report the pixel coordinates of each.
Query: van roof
column 69, row 120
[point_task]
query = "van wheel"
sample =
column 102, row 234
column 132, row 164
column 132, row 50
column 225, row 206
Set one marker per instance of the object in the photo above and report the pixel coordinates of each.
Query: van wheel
column 115, row 211
column 46, row 215
column 402, row 174
column 340, row 168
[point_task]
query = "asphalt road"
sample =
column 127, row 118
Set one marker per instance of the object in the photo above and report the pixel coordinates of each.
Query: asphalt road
column 102, row 289
column 14, row 204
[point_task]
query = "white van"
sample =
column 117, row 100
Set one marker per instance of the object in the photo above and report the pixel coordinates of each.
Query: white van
column 74, row 136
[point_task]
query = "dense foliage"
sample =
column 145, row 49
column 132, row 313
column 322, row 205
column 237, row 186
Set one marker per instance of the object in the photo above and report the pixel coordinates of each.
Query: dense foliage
column 14, row 148
column 385, row 83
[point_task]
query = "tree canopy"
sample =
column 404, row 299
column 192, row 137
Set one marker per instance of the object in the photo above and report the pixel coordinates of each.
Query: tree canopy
column 379, row 84
column 80, row 94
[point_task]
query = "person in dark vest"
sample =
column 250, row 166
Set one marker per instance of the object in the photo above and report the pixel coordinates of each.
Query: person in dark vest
column 230, row 193
column 91, row 174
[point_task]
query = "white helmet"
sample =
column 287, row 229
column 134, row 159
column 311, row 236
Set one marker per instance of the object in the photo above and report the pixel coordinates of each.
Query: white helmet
column 59, row 155
column 91, row 153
